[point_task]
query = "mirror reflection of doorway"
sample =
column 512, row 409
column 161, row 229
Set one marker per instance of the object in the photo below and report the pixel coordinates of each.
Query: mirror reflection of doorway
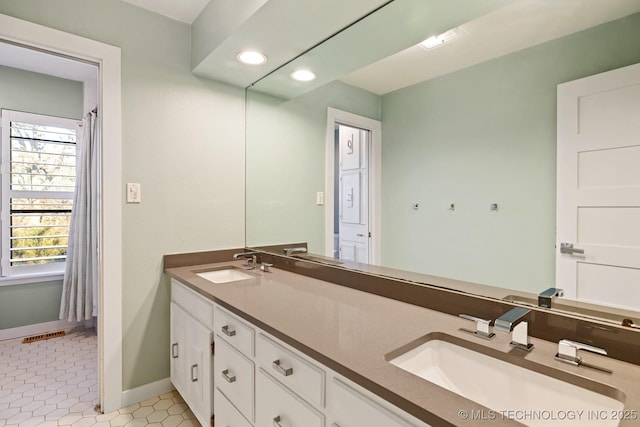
column 351, row 223
column 352, row 186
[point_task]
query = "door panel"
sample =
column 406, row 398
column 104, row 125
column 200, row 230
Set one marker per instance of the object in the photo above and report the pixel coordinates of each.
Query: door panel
column 598, row 194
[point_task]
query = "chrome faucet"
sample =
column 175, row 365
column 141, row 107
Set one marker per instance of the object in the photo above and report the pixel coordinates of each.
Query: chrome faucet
column 291, row 251
column 252, row 259
column 545, row 297
column 513, row 321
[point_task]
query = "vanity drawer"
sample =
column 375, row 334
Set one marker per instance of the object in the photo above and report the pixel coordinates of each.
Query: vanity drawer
column 234, row 377
column 292, row 370
column 226, row 414
column 277, row 406
column 233, row 330
column 196, row 305
column 351, row 408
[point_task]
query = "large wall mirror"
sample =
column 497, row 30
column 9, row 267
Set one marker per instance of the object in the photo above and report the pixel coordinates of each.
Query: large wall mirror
column 462, row 186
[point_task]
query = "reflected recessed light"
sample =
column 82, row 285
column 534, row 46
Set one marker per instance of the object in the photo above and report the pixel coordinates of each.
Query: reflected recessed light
column 251, row 57
column 303, row 75
column 440, row 39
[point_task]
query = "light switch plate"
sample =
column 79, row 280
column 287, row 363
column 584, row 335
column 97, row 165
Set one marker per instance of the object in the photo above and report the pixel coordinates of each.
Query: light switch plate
column 133, row 193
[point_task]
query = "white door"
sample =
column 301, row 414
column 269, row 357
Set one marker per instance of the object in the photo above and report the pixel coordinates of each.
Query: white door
column 598, row 195
column 353, row 200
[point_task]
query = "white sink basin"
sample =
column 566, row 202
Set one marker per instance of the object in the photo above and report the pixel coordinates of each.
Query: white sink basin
column 224, row 276
column 506, row 388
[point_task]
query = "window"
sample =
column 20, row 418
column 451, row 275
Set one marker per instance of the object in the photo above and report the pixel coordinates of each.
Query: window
column 38, row 175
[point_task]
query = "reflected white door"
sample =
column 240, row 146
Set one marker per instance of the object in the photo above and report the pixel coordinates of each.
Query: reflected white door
column 353, row 208
column 598, row 195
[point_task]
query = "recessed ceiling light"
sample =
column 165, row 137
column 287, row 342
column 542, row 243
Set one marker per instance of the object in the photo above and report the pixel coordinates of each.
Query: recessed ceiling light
column 251, row 57
column 441, row 39
column 303, row 75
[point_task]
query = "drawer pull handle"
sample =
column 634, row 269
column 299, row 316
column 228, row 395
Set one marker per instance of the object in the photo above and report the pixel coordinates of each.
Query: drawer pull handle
column 276, row 422
column 174, row 350
column 194, row 378
column 228, row 378
column 227, row 331
column 282, row 371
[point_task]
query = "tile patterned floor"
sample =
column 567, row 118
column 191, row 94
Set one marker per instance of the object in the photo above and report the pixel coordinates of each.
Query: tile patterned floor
column 54, row 383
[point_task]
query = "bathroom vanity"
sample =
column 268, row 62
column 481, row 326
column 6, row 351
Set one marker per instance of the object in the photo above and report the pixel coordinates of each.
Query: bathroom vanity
column 286, row 349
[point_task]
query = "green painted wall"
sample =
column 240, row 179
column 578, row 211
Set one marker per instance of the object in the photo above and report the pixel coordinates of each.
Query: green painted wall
column 20, row 90
column 29, row 304
column 286, row 161
column 37, row 93
column 486, row 134
column 183, row 140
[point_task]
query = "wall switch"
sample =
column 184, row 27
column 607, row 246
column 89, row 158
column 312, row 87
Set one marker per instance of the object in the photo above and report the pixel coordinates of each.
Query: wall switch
column 320, row 198
column 133, row 193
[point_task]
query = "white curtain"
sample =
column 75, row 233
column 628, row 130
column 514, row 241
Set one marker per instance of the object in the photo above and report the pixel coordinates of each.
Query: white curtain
column 79, row 300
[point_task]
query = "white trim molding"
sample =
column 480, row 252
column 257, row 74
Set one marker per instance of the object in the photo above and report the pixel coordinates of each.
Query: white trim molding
column 37, row 329
column 147, row 391
column 108, row 59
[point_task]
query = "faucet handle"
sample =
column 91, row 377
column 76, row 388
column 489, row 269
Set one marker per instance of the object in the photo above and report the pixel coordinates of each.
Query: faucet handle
column 568, row 353
column 570, row 349
column 482, row 326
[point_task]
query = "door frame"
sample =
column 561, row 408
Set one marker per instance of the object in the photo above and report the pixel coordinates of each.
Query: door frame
column 335, row 116
column 108, row 59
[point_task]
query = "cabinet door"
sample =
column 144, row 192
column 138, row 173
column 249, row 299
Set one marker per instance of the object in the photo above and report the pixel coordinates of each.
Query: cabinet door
column 178, row 348
column 199, row 372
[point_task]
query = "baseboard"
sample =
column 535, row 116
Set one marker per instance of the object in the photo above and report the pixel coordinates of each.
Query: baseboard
column 38, row 328
column 147, row 391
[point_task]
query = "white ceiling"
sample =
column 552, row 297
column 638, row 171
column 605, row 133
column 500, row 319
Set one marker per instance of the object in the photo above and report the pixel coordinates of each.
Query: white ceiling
column 521, row 24
column 181, row 10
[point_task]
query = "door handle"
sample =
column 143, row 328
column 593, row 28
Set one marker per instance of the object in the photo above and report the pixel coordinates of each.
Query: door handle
column 174, row 350
column 194, row 378
column 567, row 248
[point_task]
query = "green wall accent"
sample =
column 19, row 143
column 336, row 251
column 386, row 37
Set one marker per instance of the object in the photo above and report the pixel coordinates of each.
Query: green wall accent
column 182, row 139
column 486, row 134
column 29, row 304
column 22, row 90
column 286, row 161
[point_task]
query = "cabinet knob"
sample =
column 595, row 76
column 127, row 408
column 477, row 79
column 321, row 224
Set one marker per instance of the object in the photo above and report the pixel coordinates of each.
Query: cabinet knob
column 276, row 422
column 228, row 377
column 228, row 331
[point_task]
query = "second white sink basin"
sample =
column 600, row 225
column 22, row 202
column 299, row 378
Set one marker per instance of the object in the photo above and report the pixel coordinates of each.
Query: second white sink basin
column 224, row 275
column 509, row 390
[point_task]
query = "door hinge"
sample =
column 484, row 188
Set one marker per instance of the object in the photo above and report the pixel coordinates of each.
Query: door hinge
column 213, row 348
column 213, row 423
column 369, row 234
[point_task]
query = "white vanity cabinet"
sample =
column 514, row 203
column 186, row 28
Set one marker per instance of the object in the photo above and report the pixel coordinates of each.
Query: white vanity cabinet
column 191, row 340
column 234, row 369
column 351, row 407
column 263, row 382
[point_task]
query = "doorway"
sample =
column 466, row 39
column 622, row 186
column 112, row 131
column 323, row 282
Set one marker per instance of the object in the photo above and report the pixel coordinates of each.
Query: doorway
column 72, row 47
column 352, row 211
